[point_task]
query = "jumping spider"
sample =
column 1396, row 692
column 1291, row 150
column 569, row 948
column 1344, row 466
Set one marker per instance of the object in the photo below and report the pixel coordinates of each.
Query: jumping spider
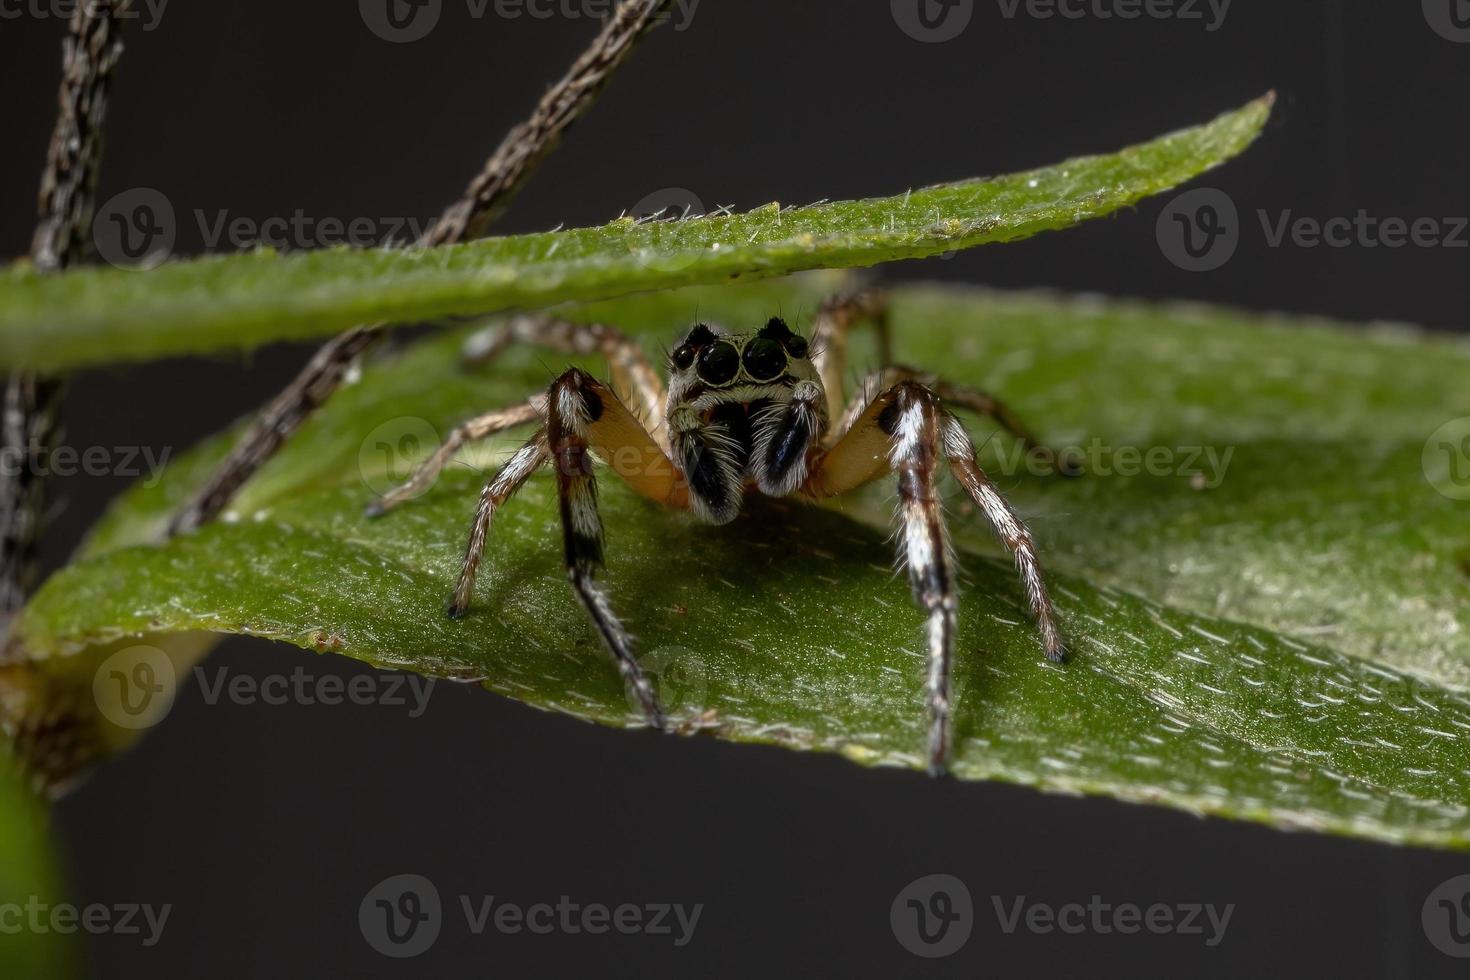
column 747, row 413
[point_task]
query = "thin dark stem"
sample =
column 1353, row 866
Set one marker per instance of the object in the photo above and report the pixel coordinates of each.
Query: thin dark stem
column 68, row 189
column 513, row 162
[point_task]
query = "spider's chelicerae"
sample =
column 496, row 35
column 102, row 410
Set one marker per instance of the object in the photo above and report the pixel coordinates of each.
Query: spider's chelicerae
column 760, row 412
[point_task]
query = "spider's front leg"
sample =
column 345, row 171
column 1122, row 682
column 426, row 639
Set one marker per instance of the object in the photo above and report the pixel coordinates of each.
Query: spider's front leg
column 582, row 416
column 585, row 415
column 905, row 430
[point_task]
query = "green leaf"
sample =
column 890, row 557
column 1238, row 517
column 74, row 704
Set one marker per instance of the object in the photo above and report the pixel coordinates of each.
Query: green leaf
column 100, row 315
column 1289, row 644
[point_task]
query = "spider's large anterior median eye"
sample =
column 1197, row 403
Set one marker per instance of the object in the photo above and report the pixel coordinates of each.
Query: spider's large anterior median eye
column 719, row 363
column 765, row 359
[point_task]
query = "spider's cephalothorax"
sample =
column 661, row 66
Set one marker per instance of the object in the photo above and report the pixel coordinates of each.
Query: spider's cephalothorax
column 749, row 412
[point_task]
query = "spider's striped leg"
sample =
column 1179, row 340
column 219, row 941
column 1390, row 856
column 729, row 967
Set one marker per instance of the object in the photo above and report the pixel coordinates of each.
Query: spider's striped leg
column 1013, row 533
column 481, row 427
column 906, row 430
column 531, row 457
column 834, row 322
column 956, row 396
column 901, row 432
column 633, row 375
column 584, row 415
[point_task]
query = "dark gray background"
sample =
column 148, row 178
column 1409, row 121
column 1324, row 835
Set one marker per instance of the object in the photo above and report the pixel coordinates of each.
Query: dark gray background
column 265, row 826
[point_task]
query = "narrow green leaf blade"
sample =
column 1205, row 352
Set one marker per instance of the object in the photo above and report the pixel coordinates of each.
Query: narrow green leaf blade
column 1287, row 641
column 99, row 315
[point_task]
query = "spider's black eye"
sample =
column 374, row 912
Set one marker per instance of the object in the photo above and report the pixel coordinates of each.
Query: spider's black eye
column 683, row 357
column 764, row 359
column 796, row 346
column 719, row 363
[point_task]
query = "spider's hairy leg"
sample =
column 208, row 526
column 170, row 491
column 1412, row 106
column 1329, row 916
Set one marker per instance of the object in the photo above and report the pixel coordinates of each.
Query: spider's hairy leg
column 926, row 550
column 633, row 375
column 959, row 396
column 834, row 322
column 480, row 427
column 512, row 476
column 901, row 433
column 906, row 430
column 1013, row 533
column 584, row 415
